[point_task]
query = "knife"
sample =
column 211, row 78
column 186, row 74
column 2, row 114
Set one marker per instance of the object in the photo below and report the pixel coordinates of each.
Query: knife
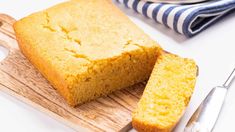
column 205, row 117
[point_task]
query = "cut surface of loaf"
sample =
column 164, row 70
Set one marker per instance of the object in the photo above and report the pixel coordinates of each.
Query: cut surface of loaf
column 86, row 48
column 166, row 95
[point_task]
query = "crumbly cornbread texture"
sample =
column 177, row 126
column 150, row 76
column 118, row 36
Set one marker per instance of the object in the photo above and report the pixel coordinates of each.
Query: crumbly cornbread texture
column 166, row 95
column 86, row 48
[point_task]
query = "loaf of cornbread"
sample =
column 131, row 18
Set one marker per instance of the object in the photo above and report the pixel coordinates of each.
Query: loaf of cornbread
column 166, row 95
column 86, row 48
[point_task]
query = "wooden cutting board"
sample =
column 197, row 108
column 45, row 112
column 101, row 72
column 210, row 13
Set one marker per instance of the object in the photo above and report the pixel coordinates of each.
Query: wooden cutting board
column 20, row 79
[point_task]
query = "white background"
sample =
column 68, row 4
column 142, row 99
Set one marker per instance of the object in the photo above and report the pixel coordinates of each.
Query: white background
column 213, row 50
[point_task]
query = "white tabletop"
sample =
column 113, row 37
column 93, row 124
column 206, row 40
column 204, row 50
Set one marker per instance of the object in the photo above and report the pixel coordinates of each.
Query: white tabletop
column 213, row 50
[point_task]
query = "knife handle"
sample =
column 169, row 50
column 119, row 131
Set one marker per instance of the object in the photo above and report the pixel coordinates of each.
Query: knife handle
column 205, row 117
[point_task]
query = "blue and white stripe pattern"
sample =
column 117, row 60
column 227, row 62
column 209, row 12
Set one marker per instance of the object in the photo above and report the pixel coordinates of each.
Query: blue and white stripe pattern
column 185, row 19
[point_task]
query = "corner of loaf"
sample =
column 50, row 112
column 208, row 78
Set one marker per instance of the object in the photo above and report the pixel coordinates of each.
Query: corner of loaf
column 86, row 48
column 166, row 95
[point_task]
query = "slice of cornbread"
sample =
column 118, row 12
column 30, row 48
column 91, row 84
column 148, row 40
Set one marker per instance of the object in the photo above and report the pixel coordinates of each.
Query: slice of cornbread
column 166, row 95
column 86, row 48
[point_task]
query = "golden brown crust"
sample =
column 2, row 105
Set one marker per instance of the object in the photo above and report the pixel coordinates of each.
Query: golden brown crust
column 143, row 127
column 86, row 48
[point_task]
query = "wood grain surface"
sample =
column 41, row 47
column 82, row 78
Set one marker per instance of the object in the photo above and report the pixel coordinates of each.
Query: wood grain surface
column 20, row 79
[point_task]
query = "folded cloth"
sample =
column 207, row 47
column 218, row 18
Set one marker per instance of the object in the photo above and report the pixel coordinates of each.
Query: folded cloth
column 188, row 19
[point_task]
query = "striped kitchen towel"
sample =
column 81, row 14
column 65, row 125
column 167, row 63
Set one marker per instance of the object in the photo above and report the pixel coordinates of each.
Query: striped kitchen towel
column 188, row 19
